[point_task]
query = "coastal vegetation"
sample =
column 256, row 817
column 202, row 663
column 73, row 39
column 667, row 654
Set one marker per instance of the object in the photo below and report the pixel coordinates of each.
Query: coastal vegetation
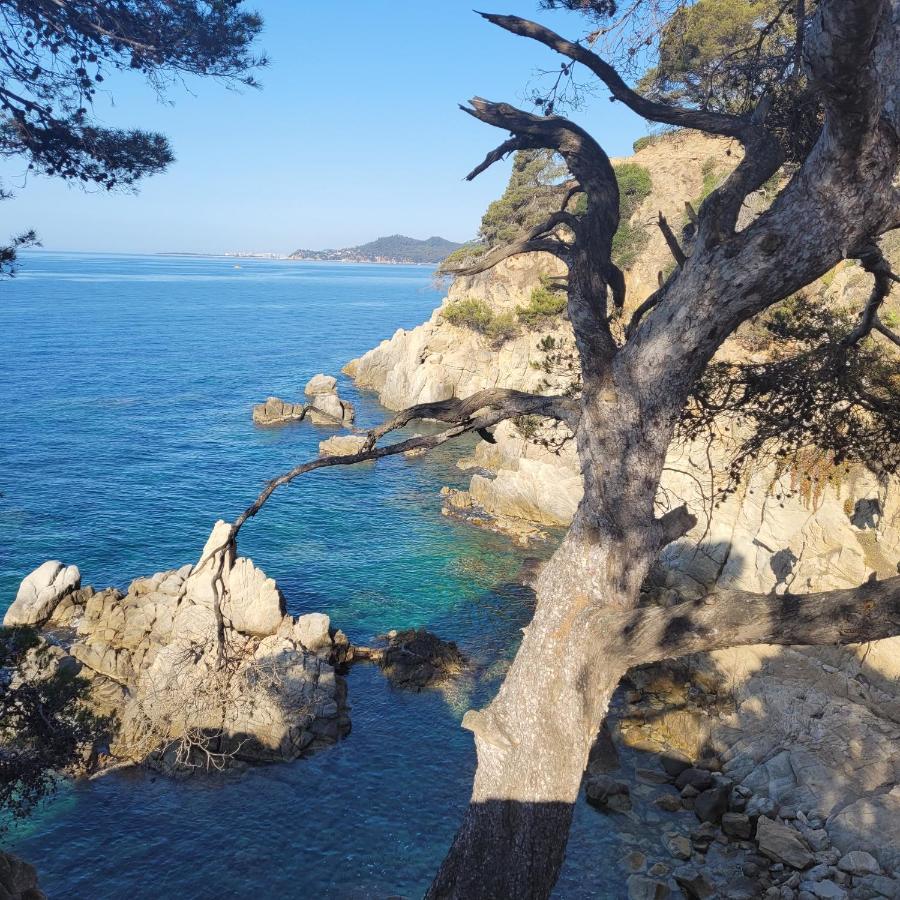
column 46, row 724
column 397, row 248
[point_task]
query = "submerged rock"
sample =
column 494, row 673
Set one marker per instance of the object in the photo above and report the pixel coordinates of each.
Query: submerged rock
column 18, row 879
column 41, row 592
column 416, row 658
column 608, row 794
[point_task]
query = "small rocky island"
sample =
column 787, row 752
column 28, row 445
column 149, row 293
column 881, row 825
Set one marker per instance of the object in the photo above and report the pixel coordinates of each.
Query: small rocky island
column 202, row 666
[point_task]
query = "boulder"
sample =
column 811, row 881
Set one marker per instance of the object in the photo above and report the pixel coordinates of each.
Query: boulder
column 18, row 879
column 320, row 384
column 737, row 825
column 674, row 763
column 276, row 411
column 252, row 604
column 858, row 862
column 342, row 445
column 694, row 883
column 608, row 794
column 824, row 890
column 41, row 592
column 782, row 844
column 329, row 409
column 312, row 631
column 416, row 658
column 700, row 779
column 712, row 803
column 678, row 845
column 640, row 887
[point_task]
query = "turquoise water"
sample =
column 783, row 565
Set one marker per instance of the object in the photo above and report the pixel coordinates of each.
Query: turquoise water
column 126, row 384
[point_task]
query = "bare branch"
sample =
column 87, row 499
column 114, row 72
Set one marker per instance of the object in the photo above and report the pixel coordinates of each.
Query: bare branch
column 671, row 240
column 711, row 122
column 736, row 618
column 884, row 331
column 558, row 248
column 495, row 405
column 584, row 157
column 496, row 155
column 873, row 261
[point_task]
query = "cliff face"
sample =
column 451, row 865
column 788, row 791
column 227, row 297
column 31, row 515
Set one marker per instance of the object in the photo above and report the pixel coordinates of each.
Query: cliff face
column 791, row 714
column 784, row 527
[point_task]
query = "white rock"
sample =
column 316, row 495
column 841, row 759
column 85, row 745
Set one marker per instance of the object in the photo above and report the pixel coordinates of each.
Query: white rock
column 320, row 384
column 342, row 445
column 253, row 604
column 40, row 593
column 215, row 562
column 329, row 409
column 311, row 630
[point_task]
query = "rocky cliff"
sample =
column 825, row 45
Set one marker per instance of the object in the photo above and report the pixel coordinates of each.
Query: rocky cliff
column 813, row 729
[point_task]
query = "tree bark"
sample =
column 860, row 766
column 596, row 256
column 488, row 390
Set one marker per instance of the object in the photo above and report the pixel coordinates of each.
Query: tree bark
column 533, row 740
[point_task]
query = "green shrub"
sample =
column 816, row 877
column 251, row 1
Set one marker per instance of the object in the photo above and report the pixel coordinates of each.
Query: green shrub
column 527, row 426
column 546, row 302
column 469, row 313
column 629, row 240
column 712, row 178
column 474, row 313
column 502, row 328
column 461, row 257
column 642, row 143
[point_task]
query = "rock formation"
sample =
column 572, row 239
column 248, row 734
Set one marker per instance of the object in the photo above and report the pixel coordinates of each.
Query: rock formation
column 325, row 407
column 812, row 729
column 276, row 411
column 41, row 592
column 189, row 690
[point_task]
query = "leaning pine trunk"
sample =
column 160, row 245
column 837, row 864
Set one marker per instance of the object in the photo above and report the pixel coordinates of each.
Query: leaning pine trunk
column 533, row 740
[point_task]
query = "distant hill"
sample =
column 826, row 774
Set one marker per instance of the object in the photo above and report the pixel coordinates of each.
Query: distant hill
column 397, row 249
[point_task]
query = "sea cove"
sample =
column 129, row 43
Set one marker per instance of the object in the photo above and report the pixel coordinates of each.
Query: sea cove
column 126, row 432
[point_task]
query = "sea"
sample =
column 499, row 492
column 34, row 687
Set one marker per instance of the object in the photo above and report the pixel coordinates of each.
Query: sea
column 126, row 388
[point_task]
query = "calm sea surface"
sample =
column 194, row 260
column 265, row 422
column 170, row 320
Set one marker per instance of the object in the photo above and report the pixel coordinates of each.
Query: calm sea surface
column 126, row 384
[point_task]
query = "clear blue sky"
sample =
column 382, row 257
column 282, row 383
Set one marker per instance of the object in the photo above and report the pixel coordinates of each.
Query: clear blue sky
column 355, row 134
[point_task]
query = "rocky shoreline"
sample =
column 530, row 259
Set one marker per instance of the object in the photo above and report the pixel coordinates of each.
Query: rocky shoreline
column 805, row 731
column 189, row 693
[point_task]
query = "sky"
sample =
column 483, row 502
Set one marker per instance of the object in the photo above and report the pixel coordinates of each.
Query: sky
column 355, row 134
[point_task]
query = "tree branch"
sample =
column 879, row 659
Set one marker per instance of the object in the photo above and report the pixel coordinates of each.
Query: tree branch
column 496, row 405
column 884, row 331
column 711, row 122
column 737, row 618
column 584, row 157
column 671, row 240
column 873, row 261
column 501, row 152
column 558, row 248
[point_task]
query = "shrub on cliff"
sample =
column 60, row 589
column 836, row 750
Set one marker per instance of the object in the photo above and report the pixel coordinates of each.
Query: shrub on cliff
column 630, row 238
column 546, row 302
column 475, row 314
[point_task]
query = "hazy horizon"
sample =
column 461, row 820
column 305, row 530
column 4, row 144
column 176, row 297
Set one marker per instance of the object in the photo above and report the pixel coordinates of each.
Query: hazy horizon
column 356, row 134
